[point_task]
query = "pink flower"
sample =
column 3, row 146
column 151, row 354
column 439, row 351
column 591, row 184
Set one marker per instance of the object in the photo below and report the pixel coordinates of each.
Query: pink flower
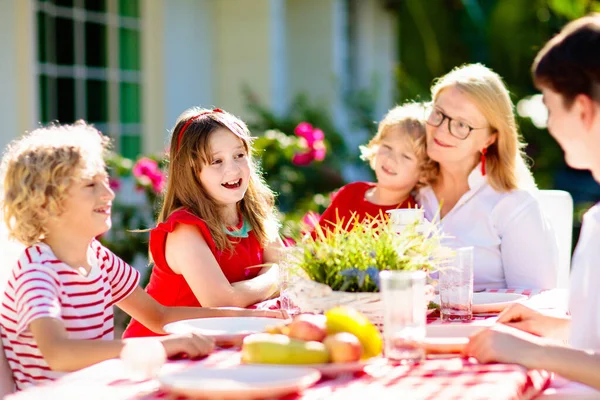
column 115, row 184
column 311, row 219
column 145, row 167
column 158, row 181
column 317, row 135
column 303, row 159
column 304, row 129
column 288, row 242
column 310, row 134
column 308, row 222
column 149, row 174
column 319, row 150
column 314, row 140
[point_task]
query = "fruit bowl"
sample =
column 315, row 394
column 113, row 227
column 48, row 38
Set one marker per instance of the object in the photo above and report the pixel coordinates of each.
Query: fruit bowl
column 341, row 341
column 332, row 370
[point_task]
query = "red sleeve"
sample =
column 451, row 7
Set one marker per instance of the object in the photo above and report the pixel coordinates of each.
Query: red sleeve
column 158, row 235
column 337, row 210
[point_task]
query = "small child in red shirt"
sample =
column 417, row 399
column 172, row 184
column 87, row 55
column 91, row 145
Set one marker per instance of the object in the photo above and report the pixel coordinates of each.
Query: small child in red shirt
column 398, row 155
column 217, row 241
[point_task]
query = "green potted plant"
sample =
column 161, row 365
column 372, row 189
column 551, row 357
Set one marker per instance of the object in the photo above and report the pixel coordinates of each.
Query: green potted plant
column 340, row 266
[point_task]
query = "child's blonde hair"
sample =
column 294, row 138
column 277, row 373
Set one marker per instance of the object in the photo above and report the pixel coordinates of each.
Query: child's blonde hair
column 37, row 171
column 409, row 119
column 190, row 152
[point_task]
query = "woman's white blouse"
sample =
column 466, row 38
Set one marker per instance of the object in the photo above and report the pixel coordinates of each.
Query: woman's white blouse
column 514, row 245
column 584, row 296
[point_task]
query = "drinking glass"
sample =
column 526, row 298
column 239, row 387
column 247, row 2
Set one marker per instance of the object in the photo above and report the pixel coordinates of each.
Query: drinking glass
column 287, row 257
column 456, row 286
column 284, row 281
column 404, row 314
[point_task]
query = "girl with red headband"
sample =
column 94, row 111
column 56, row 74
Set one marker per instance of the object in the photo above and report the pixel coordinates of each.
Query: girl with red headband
column 216, row 243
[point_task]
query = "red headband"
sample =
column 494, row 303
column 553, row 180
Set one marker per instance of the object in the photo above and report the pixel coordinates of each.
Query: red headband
column 215, row 110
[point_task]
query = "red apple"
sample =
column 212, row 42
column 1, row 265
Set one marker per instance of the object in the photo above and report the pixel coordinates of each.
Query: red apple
column 343, row 347
column 308, row 327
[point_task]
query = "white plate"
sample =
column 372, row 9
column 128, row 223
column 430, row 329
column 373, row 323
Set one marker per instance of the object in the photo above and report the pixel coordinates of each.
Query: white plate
column 487, row 302
column 452, row 337
column 224, row 329
column 457, row 329
column 239, row 382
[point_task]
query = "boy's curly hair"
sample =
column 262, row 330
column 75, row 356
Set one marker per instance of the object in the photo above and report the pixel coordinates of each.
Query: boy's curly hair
column 38, row 169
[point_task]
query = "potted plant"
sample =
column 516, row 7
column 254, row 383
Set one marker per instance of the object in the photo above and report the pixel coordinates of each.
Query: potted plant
column 340, row 266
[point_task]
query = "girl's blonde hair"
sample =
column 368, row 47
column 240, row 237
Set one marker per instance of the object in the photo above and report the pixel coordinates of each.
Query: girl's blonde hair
column 189, row 153
column 409, row 119
column 505, row 159
column 37, row 171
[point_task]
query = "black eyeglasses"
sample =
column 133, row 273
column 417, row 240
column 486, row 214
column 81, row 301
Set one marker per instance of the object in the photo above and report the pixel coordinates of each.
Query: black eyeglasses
column 458, row 129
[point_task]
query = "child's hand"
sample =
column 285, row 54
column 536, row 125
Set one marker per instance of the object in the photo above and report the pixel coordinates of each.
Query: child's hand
column 192, row 345
column 280, row 314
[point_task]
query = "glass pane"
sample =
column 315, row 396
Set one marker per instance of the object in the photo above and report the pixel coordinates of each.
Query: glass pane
column 65, row 51
column 44, row 117
column 131, row 146
column 129, row 8
column 65, row 100
column 97, row 101
column 47, row 98
column 64, row 3
column 95, row 5
column 41, row 20
column 95, row 44
column 130, row 103
column 129, row 49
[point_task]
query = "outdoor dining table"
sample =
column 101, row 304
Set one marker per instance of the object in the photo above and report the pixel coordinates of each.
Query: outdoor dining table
column 435, row 378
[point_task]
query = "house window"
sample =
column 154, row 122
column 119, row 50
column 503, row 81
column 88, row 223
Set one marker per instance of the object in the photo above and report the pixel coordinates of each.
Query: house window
column 89, row 66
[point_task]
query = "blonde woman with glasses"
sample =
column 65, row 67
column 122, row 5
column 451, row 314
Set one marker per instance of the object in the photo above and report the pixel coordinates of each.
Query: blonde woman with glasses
column 480, row 186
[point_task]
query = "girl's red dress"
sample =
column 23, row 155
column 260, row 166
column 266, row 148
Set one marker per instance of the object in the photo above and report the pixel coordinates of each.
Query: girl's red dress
column 171, row 289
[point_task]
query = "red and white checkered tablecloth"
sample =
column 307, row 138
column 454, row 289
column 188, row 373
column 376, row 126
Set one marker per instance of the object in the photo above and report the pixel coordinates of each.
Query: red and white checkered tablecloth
column 435, row 378
column 450, row 378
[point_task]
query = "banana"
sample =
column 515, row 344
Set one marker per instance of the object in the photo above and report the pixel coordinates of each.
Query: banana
column 265, row 348
column 345, row 319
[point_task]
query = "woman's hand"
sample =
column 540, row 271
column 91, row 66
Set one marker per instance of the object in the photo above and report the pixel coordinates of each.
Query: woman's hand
column 528, row 320
column 504, row 344
column 192, row 345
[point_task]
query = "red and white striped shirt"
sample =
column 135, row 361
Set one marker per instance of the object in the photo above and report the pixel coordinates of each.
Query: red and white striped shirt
column 43, row 286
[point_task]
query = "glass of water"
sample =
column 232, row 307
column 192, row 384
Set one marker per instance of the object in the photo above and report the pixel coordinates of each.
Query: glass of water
column 404, row 314
column 287, row 257
column 284, row 281
column 456, row 286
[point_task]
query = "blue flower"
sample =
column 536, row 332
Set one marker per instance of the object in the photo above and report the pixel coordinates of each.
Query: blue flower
column 361, row 275
column 374, row 275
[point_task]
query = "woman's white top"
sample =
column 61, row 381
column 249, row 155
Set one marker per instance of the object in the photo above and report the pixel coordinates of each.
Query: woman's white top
column 584, row 296
column 514, row 245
